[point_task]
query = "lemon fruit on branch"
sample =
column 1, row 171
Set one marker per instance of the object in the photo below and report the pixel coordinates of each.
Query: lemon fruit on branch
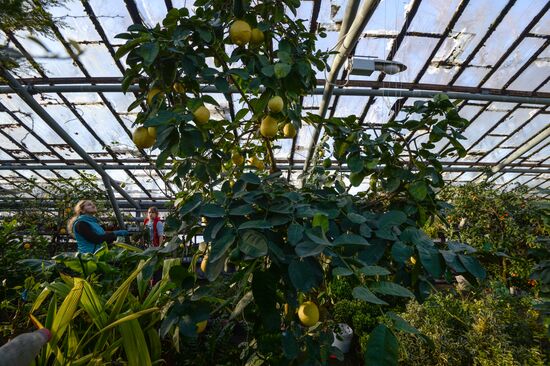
column 257, row 163
column 257, row 36
column 152, row 93
column 276, row 104
column 240, row 32
column 142, row 138
column 201, row 326
column 237, row 158
column 268, row 127
column 178, row 88
column 308, row 313
column 289, row 131
column 201, row 115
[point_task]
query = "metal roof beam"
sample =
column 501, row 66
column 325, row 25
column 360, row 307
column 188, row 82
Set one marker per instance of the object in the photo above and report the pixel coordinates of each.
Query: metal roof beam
column 349, row 38
column 316, row 91
column 38, row 109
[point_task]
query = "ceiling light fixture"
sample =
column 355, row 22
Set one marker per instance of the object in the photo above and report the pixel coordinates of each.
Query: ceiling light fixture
column 365, row 66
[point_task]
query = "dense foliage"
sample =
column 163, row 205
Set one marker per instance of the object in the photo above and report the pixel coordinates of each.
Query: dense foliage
column 486, row 328
column 507, row 227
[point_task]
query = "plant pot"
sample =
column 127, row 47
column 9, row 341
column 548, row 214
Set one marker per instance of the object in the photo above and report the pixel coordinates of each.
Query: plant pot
column 343, row 337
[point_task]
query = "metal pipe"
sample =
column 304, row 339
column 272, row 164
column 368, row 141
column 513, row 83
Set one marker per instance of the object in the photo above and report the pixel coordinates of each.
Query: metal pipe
column 114, row 202
column 350, row 38
column 111, row 88
column 454, row 168
column 78, row 167
column 520, row 151
column 40, row 111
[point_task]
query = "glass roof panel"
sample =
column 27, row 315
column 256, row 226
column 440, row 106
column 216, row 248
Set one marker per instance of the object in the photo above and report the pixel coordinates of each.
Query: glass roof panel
column 348, row 105
column 152, row 11
column 481, row 125
column 49, row 54
column 413, row 52
column 514, row 62
column 534, row 74
column 436, row 15
column 514, row 120
column 534, row 127
column 113, row 17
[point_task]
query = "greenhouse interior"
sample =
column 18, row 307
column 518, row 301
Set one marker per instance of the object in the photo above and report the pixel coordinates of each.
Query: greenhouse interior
column 275, row 182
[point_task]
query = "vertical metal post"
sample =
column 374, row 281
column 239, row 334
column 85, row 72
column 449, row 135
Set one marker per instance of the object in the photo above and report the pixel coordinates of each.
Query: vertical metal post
column 114, row 202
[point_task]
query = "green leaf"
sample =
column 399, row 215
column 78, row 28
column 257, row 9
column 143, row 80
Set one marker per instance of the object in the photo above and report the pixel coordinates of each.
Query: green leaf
column 382, row 347
column 401, row 324
column 256, row 224
column 350, row 239
column 240, row 114
column 282, row 70
column 401, row 252
column 356, row 178
column 392, row 218
column 473, row 266
column 320, row 220
column 290, row 345
column 317, row 236
column 363, row 293
column 268, row 70
column 305, row 274
column 212, row 210
column 355, row 163
column 308, row 249
column 221, row 244
column 295, row 233
column 242, row 210
column 452, row 261
column 374, row 271
column 253, row 244
column 149, row 52
column 391, row 288
column 356, row 218
column 250, row 178
column 418, row 190
column 430, row 259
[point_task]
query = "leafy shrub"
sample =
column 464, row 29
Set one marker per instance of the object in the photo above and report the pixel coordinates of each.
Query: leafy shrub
column 506, row 226
column 485, row 329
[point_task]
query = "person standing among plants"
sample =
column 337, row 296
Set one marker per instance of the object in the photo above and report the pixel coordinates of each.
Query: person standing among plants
column 87, row 231
column 154, row 227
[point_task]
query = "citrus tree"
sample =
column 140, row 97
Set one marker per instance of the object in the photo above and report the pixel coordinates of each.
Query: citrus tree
column 286, row 241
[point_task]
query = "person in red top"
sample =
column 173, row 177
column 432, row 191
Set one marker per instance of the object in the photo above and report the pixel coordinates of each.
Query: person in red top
column 155, row 227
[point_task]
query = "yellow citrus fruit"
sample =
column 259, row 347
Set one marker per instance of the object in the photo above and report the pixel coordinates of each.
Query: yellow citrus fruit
column 27, row 246
column 237, row 158
column 289, row 131
column 152, row 131
column 276, row 104
column 62, row 231
column 202, row 115
column 257, row 163
column 240, row 32
column 268, row 127
column 257, row 36
column 413, row 260
column 152, row 93
column 201, row 326
column 204, row 263
column 308, row 313
column 142, row 139
column 178, row 88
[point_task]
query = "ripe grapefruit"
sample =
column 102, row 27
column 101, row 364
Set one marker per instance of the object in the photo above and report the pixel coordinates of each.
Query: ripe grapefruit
column 276, row 104
column 142, row 139
column 268, row 127
column 289, row 131
column 308, row 313
column 240, row 32
column 257, row 36
column 202, row 115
